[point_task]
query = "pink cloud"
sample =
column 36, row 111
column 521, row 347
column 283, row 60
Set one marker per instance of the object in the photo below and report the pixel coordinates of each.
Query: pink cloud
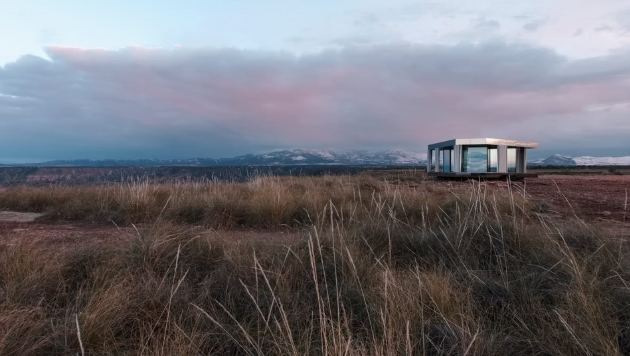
column 359, row 97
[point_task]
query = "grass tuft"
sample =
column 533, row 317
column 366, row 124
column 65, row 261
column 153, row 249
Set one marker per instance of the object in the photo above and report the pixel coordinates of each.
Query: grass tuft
column 379, row 266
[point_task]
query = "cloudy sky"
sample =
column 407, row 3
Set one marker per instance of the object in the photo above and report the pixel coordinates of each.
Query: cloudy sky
column 163, row 79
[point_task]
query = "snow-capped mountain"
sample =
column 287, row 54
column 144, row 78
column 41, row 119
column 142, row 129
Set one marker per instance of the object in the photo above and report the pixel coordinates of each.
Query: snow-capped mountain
column 555, row 160
column 561, row 160
column 279, row 157
column 602, row 161
column 398, row 156
column 310, row 157
column 322, row 157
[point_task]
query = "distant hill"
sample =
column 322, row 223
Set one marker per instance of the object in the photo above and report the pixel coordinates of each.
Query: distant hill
column 308, row 157
column 555, row 160
column 303, row 157
column 565, row 161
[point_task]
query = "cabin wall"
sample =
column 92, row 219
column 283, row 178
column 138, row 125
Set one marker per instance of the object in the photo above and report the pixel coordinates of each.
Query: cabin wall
column 502, row 158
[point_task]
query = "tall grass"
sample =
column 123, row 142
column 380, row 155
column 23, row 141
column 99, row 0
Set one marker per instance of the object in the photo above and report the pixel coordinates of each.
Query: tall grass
column 379, row 269
column 261, row 202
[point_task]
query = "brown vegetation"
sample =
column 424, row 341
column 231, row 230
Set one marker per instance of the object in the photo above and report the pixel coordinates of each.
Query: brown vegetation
column 384, row 266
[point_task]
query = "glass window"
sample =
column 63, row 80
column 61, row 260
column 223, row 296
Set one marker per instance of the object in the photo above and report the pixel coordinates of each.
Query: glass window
column 446, row 159
column 492, row 159
column 432, row 160
column 475, row 159
column 511, row 159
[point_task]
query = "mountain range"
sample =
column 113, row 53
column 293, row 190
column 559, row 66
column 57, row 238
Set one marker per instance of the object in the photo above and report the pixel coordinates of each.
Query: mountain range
column 560, row 160
column 320, row 157
column 279, row 157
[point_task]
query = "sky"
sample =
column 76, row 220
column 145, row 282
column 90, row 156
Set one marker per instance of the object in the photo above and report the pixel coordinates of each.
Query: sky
column 161, row 79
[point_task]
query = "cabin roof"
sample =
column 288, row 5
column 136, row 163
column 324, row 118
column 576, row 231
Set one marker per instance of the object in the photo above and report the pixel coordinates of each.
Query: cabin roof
column 484, row 141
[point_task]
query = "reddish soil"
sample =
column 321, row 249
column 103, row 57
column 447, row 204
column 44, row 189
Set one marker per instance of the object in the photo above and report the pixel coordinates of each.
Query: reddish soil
column 603, row 200
column 59, row 235
column 72, row 235
column 597, row 197
column 592, row 197
column 600, row 199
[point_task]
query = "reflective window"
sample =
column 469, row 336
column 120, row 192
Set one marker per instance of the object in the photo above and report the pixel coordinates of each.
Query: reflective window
column 432, row 160
column 474, row 159
column 446, row 160
column 492, row 159
column 511, row 159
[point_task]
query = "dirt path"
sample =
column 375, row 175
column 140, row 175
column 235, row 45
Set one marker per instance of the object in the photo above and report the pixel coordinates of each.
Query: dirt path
column 72, row 235
column 14, row 216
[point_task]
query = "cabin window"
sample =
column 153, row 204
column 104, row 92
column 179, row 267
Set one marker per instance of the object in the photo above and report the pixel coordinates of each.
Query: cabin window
column 446, row 160
column 493, row 160
column 475, row 159
column 511, row 159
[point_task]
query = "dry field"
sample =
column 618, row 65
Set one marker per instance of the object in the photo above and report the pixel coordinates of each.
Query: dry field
column 379, row 263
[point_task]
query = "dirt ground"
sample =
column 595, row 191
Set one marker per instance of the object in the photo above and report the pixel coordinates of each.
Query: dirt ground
column 59, row 235
column 593, row 197
column 601, row 199
column 71, row 235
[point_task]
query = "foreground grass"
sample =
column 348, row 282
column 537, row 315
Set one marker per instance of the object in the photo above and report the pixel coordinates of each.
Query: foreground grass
column 381, row 269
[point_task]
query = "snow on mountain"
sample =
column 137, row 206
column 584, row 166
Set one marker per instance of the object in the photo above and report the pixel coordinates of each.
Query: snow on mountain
column 602, row 161
column 284, row 157
column 398, row 156
column 536, row 161
column 320, row 153
column 561, row 160
column 306, row 156
column 327, row 157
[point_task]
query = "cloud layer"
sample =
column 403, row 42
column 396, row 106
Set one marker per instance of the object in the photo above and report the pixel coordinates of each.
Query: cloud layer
column 147, row 102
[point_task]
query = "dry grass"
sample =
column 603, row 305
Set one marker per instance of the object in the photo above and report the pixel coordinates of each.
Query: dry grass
column 381, row 269
column 262, row 202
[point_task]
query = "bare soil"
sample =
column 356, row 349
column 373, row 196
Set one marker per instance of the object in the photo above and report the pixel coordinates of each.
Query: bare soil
column 594, row 197
column 591, row 197
column 14, row 216
column 603, row 200
column 73, row 235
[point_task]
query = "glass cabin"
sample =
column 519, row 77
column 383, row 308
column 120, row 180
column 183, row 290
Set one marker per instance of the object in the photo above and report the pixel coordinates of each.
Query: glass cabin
column 478, row 156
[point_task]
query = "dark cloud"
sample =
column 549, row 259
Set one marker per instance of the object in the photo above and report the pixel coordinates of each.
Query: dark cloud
column 534, row 25
column 368, row 20
column 141, row 102
column 604, row 28
column 358, row 40
column 487, row 25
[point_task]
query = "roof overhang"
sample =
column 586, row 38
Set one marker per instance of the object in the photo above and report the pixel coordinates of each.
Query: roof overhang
column 483, row 142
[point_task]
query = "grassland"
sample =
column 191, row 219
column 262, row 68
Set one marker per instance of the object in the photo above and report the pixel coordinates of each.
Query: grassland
column 380, row 265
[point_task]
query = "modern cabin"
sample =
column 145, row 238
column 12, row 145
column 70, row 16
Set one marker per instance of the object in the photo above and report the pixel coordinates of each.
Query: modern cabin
column 479, row 157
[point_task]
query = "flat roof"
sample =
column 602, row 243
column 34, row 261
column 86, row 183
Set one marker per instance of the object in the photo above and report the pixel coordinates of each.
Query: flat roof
column 484, row 141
